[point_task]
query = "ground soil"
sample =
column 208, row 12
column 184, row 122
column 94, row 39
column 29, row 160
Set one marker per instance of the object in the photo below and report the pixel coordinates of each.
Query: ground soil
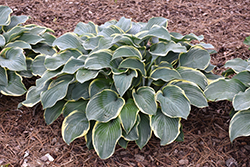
column 25, row 139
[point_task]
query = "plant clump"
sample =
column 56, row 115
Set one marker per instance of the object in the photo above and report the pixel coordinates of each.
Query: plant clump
column 122, row 81
column 20, row 48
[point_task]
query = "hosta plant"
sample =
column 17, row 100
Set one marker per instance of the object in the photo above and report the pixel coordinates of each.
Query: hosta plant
column 19, row 47
column 122, row 81
column 237, row 90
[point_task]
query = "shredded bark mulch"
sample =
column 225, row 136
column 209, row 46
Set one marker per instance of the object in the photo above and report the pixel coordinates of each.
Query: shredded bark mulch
column 26, row 139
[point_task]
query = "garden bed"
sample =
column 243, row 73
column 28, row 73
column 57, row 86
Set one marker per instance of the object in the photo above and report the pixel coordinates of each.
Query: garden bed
column 25, row 139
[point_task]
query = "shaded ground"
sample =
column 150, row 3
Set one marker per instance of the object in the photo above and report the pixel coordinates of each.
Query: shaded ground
column 25, row 139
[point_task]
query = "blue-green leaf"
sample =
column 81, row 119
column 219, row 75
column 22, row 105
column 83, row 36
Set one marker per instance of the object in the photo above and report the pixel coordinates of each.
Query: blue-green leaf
column 104, row 106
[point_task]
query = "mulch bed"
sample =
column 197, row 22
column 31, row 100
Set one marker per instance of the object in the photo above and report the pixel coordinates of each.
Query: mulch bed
column 25, row 139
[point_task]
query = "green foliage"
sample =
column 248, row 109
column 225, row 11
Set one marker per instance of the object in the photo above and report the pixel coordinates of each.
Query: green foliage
column 19, row 46
column 237, row 90
column 121, row 81
column 247, row 41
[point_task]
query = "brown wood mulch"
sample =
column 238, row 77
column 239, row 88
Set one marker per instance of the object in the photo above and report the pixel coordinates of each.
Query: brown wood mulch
column 25, row 139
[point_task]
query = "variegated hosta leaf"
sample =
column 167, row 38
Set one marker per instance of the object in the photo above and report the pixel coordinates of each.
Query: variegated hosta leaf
column 13, row 59
column 224, row 89
column 47, row 75
column 105, row 137
column 98, row 60
column 57, row 90
column 70, row 106
column 127, row 51
column 3, row 76
column 48, row 39
column 128, row 115
column 123, row 81
column 165, row 73
column 14, row 21
column 241, row 101
column 196, row 57
column 189, row 37
column 209, row 68
column 30, row 38
column 156, row 31
column 67, row 41
column 42, row 48
column 83, row 75
column 124, row 24
column 27, row 73
column 193, row 75
column 136, row 27
column 237, row 64
column 171, row 57
column 99, row 84
column 83, row 28
column 123, row 143
column 144, row 99
column 173, row 102
column 57, row 60
column 104, row 106
column 91, row 43
column 78, row 90
column 38, row 67
column 15, row 87
column 112, row 29
column 88, row 137
column 164, row 127
column 33, row 95
column 2, row 40
column 107, row 24
column 144, row 131
column 13, row 33
column 104, row 43
column 163, row 48
column 20, row 44
column 155, row 21
column 75, row 125
column 244, row 77
column 73, row 65
column 193, row 93
column 115, row 64
column 126, row 39
column 239, row 125
column 5, row 12
column 133, row 63
column 133, row 134
column 51, row 114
